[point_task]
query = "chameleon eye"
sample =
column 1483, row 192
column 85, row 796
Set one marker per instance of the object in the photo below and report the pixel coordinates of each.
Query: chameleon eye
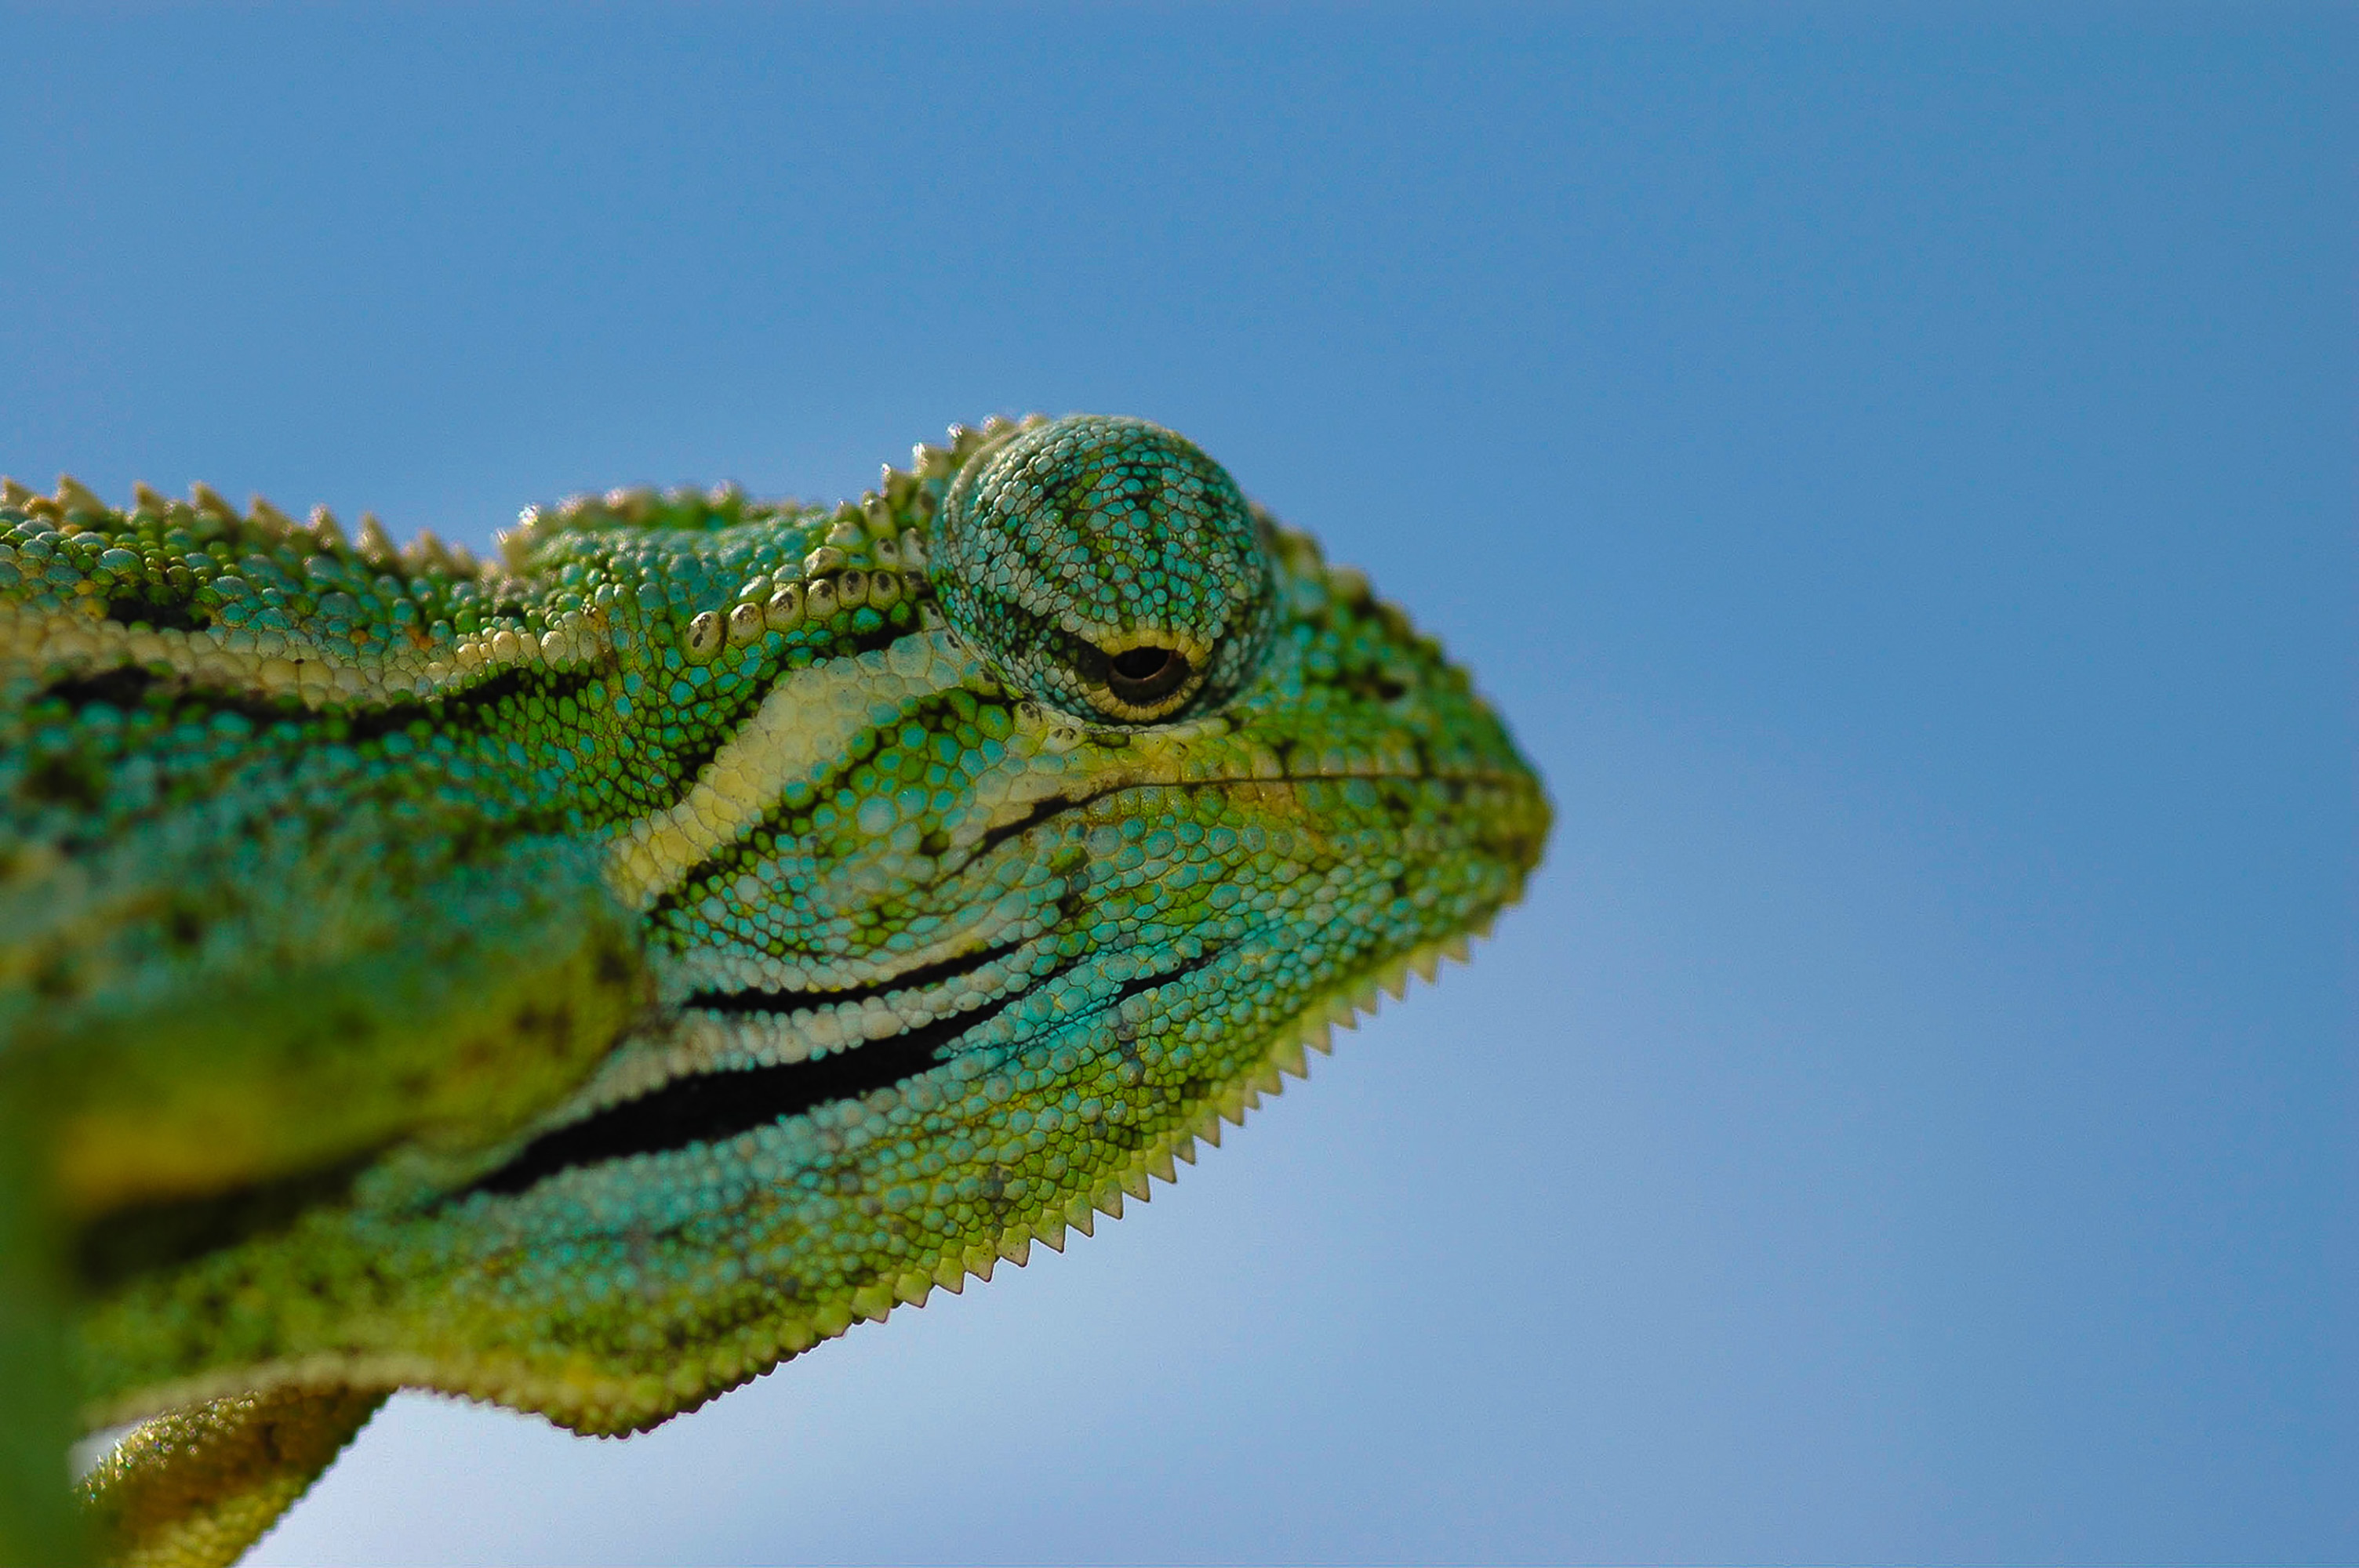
column 1106, row 568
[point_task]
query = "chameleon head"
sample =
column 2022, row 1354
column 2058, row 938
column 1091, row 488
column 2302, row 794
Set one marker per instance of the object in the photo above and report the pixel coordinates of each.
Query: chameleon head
column 986, row 902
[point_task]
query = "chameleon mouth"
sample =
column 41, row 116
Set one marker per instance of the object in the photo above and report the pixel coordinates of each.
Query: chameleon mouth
column 1050, row 808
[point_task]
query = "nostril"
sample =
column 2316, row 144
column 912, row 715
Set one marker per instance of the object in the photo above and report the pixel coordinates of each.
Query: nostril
column 1142, row 677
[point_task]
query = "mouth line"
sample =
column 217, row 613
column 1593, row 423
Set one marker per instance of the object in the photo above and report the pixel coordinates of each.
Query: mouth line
column 1055, row 806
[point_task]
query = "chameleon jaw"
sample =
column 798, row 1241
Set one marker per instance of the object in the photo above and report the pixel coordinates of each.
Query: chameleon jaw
column 581, row 1396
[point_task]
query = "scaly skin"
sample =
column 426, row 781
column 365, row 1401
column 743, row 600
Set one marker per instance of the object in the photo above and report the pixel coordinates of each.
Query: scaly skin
column 582, row 981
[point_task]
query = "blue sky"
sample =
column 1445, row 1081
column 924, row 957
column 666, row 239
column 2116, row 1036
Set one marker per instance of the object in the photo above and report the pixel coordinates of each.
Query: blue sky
column 1895, row 471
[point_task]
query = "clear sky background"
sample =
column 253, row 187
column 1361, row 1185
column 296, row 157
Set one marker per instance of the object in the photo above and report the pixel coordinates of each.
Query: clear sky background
column 1896, row 473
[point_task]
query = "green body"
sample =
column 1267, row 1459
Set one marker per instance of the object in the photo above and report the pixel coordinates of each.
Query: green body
column 583, row 980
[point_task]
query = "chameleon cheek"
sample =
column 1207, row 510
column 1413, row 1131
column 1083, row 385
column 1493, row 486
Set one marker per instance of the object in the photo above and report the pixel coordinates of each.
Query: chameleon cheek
column 1107, row 568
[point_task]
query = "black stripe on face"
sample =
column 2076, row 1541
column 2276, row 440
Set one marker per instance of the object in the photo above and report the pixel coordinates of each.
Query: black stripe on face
column 468, row 705
column 1041, row 811
column 79, row 771
column 710, row 1108
column 690, row 761
column 931, row 713
column 130, row 686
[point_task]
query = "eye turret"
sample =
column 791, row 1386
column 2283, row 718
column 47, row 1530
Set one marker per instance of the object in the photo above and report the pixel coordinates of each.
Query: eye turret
column 1106, row 568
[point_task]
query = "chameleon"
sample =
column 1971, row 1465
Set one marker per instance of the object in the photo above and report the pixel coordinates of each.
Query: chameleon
column 582, row 978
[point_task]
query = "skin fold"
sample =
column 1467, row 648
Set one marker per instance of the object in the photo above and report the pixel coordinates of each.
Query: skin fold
column 585, row 979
